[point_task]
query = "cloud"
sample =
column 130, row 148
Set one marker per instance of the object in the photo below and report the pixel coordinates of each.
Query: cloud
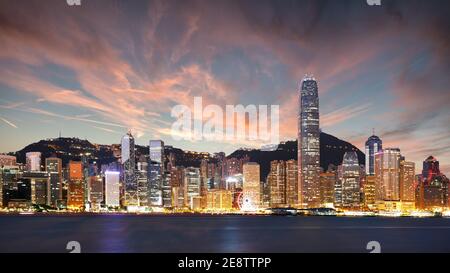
column 8, row 122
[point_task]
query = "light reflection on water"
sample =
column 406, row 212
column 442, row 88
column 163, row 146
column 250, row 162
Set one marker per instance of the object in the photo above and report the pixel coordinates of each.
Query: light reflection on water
column 128, row 233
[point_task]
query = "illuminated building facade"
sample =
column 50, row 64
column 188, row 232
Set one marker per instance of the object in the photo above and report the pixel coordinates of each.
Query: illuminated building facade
column 53, row 166
column 373, row 146
column 432, row 189
column 309, row 144
column 167, row 190
column 192, row 183
column 128, row 160
column 387, row 175
column 407, row 181
column 219, row 200
column 33, row 161
column 95, row 192
column 112, row 189
column 7, row 160
column 277, row 184
column 75, row 192
column 251, row 184
column 292, row 183
column 156, row 172
column 327, row 184
column 351, row 180
column 40, row 187
column 369, row 191
column 142, row 180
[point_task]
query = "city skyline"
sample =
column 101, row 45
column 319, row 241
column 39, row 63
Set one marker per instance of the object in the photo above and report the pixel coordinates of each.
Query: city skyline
column 130, row 78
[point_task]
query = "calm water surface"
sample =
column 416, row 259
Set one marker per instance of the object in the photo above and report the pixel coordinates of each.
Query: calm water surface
column 133, row 233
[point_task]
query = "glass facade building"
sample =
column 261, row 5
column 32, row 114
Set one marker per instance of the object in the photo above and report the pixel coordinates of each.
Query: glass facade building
column 129, row 171
column 373, row 146
column 156, row 172
column 309, row 144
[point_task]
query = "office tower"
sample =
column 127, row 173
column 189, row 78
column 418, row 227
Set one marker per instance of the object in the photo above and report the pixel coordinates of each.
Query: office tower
column 309, row 144
column 33, row 161
column 75, row 192
column 277, row 184
column 167, row 190
column 156, row 171
column 9, row 178
column 327, row 187
column 85, row 162
column 39, row 185
column 432, row 189
column 95, row 192
column 217, row 199
column 407, row 181
column 387, row 174
column 7, row 160
column 192, row 184
column 351, row 180
column 177, row 197
column 373, row 146
column 142, row 180
column 251, row 185
column 112, row 189
column 53, row 166
column 369, row 191
column 129, row 172
column 292, row 183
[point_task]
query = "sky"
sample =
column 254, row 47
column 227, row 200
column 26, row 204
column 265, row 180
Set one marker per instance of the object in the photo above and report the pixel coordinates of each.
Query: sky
column 96, row 70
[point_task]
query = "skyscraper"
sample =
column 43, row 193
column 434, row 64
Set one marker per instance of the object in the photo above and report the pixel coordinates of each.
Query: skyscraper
column 251, row 185
column 53, row 166
column 33, row 161
column 327, row 187
column 351, row 180
column 75, row 194
column 129, row 175
column 277, row 183
column 142, row 179
column 292, row 183
column 95, row 192
column 112, row 189
column 407, row 181
column 192, row 185
column 373, row 146
column 156, row 171
column 387, row 174
column 309, row 143
column 432, row 189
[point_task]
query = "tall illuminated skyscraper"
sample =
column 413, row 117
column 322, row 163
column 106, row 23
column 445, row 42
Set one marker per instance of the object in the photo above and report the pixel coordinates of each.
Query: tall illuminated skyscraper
column 407, row 181
column 291, row 183
column 387, row 174
column 309, row 144
column 351, row 180
column 373, row 146
column 156, row 172
column 112, row 189
column 75, row 193
column 129, row 173
column 53, row 166
column 33, row 161
column 277, row 183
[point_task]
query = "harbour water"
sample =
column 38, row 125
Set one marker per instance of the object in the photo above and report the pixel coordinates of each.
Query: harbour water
column 219, row 233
